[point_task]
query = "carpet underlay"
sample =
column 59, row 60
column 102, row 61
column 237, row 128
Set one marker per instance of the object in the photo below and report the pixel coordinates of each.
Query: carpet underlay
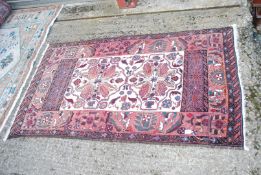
column 22, row 36
column 175, row 88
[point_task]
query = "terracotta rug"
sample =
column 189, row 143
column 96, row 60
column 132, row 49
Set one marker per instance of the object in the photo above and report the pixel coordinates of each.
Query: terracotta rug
column 22, row 36
column 164, row 88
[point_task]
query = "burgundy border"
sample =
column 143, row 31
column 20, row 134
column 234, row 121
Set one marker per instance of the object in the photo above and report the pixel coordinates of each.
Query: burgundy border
column 144, row 36
column 235, row 136
column 64, row 71
column 185, row 99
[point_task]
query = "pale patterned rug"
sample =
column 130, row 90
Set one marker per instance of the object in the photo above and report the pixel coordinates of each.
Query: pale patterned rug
column 9, row 49
column 23, row 33
column 176, row 88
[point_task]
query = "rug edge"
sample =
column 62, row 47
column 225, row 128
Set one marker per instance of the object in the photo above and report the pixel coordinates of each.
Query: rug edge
column 243, row 101
column 88, row 41
column 181, row 144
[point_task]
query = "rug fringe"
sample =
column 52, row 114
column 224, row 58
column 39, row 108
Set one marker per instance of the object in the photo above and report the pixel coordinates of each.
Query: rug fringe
column 26, row 79
column 237, row 50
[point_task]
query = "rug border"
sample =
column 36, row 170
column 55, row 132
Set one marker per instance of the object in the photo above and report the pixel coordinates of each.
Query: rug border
column 232, row 147
column 145, row 36
column 243, row 98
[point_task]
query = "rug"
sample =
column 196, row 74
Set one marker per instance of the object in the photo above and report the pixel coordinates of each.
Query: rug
column 176, row 88
column 9, row 49
column 22, row 36
column 5, row 10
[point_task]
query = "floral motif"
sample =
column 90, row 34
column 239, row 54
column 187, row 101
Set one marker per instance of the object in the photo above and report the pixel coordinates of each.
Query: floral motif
column 125, row 106
column 145, row 122
column 217, row 77
column 166, row 103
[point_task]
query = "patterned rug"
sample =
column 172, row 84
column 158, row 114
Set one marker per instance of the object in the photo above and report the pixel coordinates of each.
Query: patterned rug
column 22, row 36
column 164, row 88
column 9, row 49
